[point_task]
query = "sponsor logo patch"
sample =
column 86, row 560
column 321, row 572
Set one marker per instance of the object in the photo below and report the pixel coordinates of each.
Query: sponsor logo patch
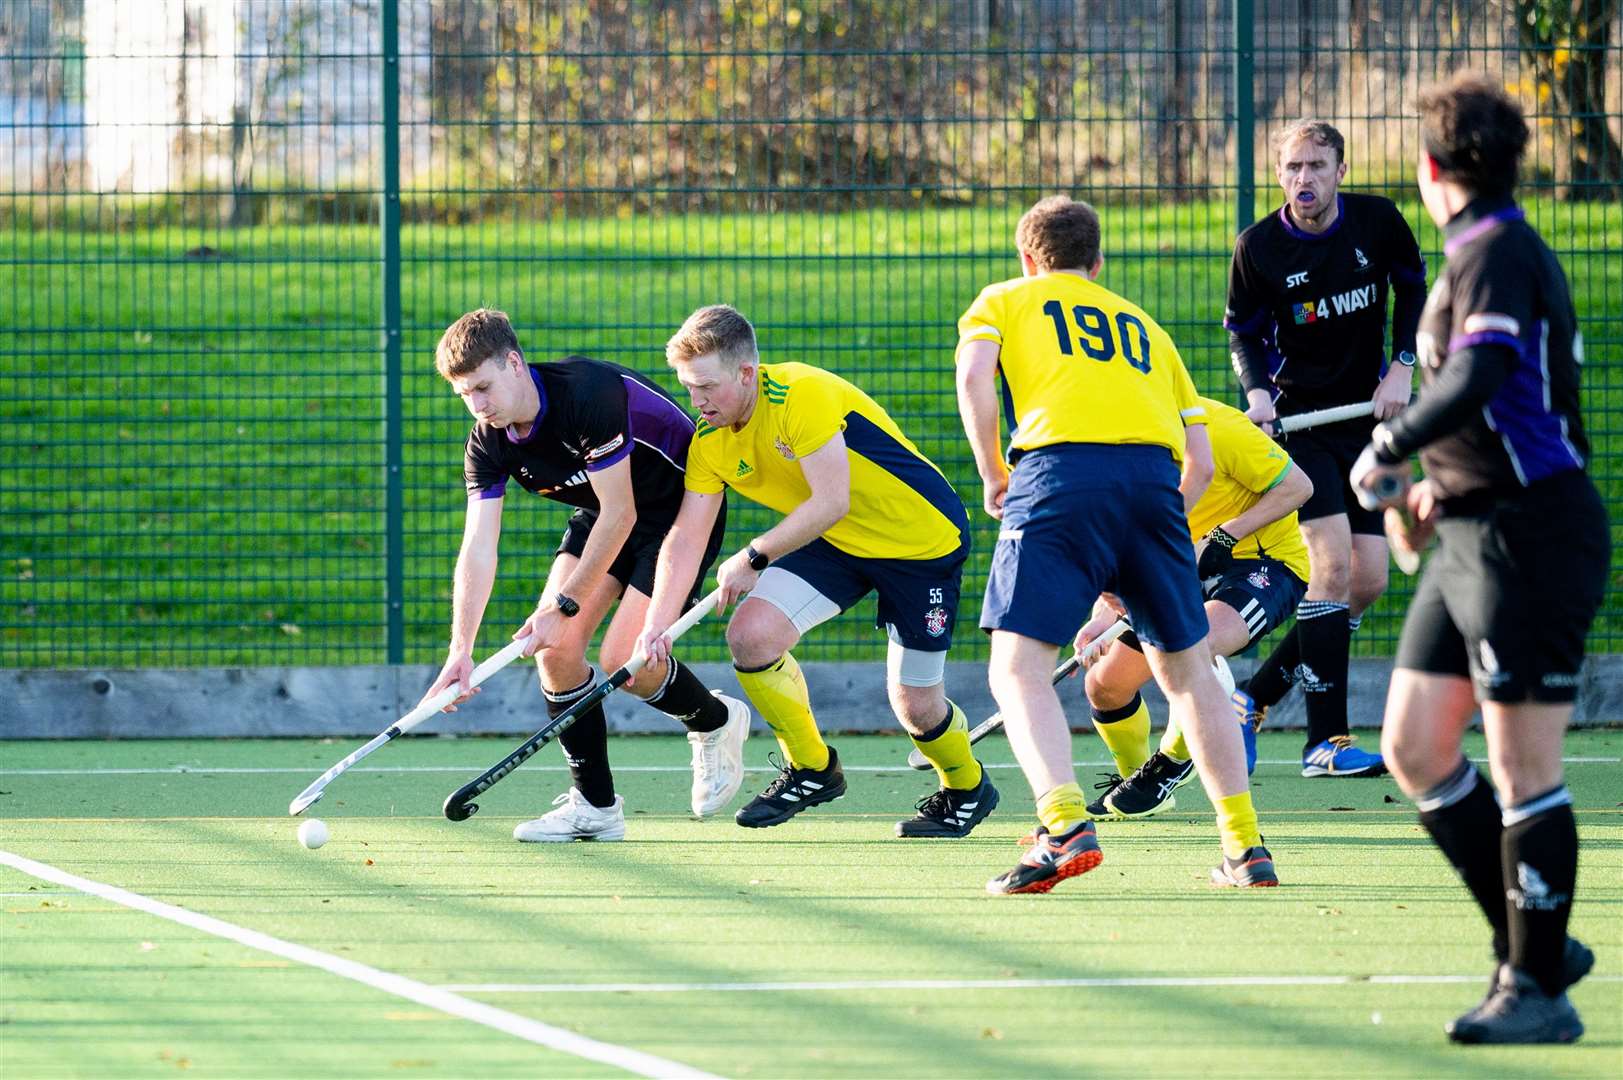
column 1293, row 280
column 785, row 449
column 744, row 469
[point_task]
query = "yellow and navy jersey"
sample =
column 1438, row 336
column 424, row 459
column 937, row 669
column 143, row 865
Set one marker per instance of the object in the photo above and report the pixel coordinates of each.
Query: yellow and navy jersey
column 901, row 505
column 1082, row 365
column 1249, row 464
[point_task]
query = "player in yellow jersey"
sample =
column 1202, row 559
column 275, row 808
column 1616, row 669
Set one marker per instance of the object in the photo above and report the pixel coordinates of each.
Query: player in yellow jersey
column 864, row 512
column 1253, row 569
column 1104, row 414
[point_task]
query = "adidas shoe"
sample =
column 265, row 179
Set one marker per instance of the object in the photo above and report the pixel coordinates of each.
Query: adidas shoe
column 718, row 758
column 949, row 812
column 1518, row 1011
column 1252, row 870
column 575, row 819
column 1250, row 715
column 792, row 791
column 1050, row 860
column 1337, row 756
column 1097, row 808
column 1149, row 790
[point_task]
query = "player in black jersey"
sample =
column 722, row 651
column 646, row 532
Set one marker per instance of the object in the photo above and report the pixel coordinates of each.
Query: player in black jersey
column 1502, row 610
column 612, row 444
column 1307, row 326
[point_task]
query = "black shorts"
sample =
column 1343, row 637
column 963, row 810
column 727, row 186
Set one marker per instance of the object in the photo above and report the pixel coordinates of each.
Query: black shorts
column 1511, row 592
column 1263, row 591
column 634, row 566
column 1326, row 455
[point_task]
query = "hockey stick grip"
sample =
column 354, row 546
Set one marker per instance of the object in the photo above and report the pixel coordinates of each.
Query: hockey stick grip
column 1334, row 415
column 459, row 805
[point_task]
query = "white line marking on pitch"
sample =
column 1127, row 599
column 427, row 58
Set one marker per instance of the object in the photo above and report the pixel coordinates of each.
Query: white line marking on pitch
column 435, row 997
column 970, row 984
column 181, row 770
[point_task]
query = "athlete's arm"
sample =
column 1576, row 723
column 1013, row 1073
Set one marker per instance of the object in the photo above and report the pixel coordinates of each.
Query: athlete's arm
column 470, row 591
column 1245, row 317
column 1467, row 382
column 1281, row 500
column 1199, row 466
column 977, row 405
column 678, row 563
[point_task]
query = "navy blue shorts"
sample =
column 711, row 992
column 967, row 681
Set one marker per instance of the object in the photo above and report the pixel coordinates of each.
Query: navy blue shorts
column 1264, row 591
column 918, row 598
column 1085, row 518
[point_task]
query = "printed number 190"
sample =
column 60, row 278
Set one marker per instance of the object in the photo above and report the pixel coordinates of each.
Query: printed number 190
column 1093, row 328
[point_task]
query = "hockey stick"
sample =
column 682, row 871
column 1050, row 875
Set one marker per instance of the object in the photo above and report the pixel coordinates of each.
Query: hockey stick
column 1284, row 425
column 1095, row 648
column 459, row 805
column 312, row 794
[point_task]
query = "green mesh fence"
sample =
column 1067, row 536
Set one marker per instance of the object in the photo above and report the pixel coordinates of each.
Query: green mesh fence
column 234, row 229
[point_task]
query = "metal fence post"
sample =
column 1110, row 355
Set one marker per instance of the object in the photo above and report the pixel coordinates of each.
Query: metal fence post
column 394, row 501
column 1245, row 117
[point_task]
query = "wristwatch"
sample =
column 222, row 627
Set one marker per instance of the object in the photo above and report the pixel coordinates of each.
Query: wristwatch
column 757, row 561
column 1406, row 358
column 569, row 608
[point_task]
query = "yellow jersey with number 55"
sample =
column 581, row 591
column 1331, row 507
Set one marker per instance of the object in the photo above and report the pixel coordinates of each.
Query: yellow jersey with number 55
column 1083, row 365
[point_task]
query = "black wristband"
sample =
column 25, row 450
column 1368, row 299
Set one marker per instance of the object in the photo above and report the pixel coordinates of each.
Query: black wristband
column 568, row 607
column 757, row 561
column 1221, row 537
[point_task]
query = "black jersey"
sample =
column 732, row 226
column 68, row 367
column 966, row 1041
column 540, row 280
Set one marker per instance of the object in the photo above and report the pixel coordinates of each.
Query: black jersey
column 1501, row 306
column 593, row 415
column 1306, row 312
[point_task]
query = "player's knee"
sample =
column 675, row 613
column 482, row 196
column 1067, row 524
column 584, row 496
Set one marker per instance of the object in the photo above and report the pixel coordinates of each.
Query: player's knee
column 1331, row 580
column 1366, row 589
column 614, row 657
column 749, row 642
column 919, row 708
column 562, row 666
column 1105, row 695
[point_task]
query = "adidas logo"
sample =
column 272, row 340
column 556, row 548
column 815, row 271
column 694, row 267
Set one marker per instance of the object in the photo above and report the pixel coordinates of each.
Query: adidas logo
column 744, row 469
column 803, row 790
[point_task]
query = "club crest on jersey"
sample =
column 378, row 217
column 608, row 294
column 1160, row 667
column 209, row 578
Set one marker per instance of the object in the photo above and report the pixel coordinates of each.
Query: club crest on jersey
column 785, row 449
column 935, row 621
column 1258, row 578
column 1363, row 263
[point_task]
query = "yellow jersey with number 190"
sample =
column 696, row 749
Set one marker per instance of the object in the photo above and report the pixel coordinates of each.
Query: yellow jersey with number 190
column 1082, row 364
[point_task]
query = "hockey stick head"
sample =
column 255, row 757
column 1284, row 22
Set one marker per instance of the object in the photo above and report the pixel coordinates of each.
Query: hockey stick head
column 305, row 800
column 457, row 809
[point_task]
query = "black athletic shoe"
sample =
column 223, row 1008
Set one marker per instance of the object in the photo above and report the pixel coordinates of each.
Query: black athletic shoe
column 1576, row 961
column 1518, row 1012
column 1050, row 861
column 1097, row 808
column 949, row 812
column 792, row 791
column 1149, row 790
column 1252, row 870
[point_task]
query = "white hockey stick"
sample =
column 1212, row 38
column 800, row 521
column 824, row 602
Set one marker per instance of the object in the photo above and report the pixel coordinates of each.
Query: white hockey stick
column 1302, row 421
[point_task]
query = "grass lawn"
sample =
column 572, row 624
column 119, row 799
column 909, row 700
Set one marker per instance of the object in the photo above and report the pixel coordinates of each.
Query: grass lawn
column 824, row 947
column 192, row 419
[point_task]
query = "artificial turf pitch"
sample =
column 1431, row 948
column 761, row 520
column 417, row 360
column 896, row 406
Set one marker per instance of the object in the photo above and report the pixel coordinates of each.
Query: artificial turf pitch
column 918, row 971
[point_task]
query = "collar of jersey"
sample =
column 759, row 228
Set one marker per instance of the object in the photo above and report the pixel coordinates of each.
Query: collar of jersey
column 1479, row 216
column 1303, row 234
column 540, row 414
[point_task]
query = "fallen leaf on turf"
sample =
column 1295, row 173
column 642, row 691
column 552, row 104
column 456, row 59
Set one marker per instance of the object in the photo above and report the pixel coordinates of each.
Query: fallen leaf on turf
column 369, row 862
column 991, row 1033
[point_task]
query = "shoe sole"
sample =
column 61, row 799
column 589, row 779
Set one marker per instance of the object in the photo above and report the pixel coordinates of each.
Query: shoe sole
column 1311, row 771
column 1073, row 867
column 1221, row 879
column 988, row 804
column 608, row 837
column 1171, row 803
column 1470, row 1037
column 804, row 804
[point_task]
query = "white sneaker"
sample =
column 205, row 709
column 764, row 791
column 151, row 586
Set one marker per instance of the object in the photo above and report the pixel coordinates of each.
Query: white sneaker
column 718, row 758
column 575, row 819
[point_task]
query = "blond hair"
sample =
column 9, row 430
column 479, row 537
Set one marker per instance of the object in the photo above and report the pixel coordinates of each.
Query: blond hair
column 718, row 329
column 1322, row 132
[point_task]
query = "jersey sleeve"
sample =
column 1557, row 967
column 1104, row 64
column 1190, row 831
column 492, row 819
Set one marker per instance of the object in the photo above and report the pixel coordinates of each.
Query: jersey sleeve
column 600, row 421
column 1407, row 271
column 1255, row 461
column 481, row 474
column 701, row 475
column 1245, row 316
column 984, row 319
column 1191, row 410
column 1492, row 304
column 814, row 413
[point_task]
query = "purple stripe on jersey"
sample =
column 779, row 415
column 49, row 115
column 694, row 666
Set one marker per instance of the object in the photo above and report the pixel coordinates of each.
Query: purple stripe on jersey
column 1484, row 337
column 1302, row 234
column 658, row 422
column 540, row 414
column 1409, row 274
column 1247, row 326
column 1533, row 436
column 621, row 452
column 1498, row 217
column 498, row 490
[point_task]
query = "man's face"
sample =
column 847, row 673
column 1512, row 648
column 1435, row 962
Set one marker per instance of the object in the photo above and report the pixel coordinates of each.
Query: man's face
column 722, row 396
column 1431, row 190
column 494, row 390
column 1310, row 175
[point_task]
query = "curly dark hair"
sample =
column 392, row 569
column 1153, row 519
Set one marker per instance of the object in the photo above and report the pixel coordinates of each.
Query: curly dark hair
column 1474, row 131
column 1059, row 234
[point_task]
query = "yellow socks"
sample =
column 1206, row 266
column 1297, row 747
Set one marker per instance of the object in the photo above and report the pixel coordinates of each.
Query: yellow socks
column 1062, row 809
column 947, row 748
column 1172, row 744
column 1126, row 732
column 1237, row 824
column 778, row 693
